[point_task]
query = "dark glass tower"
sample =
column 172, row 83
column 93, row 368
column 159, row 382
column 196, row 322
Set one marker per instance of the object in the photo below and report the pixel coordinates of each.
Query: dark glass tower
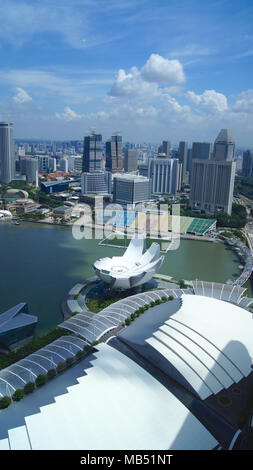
column 92, row 153
column 114, row 154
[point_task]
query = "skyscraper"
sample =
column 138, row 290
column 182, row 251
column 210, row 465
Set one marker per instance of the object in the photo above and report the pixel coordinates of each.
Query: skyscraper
column 7, row 153
column 130, row 160
column 202, row 150
column 164, row 173
column 182, row 156
column 247, row 166
column 212, row 185
column 114, row 154
column 29, row 168
column 166, row 146
column 92, row 152
column 32, row 171
column 212, row 181
column 224, row 146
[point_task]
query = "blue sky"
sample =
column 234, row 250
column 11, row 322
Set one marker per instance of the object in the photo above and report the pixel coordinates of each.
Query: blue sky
column 152, row 69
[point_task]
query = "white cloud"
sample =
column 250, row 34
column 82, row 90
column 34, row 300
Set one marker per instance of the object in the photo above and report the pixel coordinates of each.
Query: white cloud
column 131, row 84
column 145, row 82
column 160, row 70
column 68, row 114
column 192, row 50
column 209, row 100
column 244, row 104
column 21, row 96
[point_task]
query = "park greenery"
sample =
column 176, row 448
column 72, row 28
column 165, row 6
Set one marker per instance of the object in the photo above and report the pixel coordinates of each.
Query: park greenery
column 34, row 193
column 237, row 219
column 244, row 186
column 145, row 307
column 36, row 343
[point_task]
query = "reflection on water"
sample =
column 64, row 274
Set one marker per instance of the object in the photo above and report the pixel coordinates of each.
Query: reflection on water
column 40, row 264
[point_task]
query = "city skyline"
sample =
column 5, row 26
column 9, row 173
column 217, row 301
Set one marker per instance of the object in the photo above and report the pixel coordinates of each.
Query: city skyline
column 175, row 72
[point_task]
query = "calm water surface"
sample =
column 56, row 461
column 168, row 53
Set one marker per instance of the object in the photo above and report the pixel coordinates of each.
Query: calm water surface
column 40, row 264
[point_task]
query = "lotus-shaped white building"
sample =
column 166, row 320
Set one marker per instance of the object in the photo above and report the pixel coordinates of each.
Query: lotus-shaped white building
column 134, row 268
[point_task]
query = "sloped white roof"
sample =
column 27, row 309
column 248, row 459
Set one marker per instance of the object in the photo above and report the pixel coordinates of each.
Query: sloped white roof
column 208, row 341
column 117, row 405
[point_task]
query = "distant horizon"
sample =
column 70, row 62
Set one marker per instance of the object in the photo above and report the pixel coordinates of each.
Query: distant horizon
column 17, row 139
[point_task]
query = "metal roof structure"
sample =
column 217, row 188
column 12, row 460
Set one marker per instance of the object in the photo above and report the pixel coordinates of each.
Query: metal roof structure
column 15, row 318
column 94, row 413
column 40, row 362
column 92, row 327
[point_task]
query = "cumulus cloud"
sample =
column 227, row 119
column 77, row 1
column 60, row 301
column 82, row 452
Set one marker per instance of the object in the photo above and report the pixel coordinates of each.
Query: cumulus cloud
column 21, row 96
column 244, row 103
column 156, row 71
column 209, row 100
column 68, row 115
column 160, row 70
column 131, row 84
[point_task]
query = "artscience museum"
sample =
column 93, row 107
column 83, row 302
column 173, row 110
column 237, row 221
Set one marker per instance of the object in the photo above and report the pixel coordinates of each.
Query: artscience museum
column 133, row 269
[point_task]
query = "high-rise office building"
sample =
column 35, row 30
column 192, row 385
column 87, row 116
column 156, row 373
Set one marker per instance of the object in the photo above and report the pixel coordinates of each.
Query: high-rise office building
column 114, row 154
column 52, row 164
column 212, row 181
column 166, row 146
column 43, row 163
column 130, row 160
column 182, row 156
column 164, row 173
column 201, row 150
column 29, row 167
column 92, row 153
column 212, row 185
column 247, row 165
column 32, row 171
column 131, row 189
column 7, row 153
column 97, row 182
column 64, row 165
column 224, row 146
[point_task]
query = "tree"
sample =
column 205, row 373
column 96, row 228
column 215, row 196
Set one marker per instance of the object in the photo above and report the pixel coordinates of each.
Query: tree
column 171, row 297
column 69, row 361
column 18, row 394
column 79, row 355
column 29, row 388
column 61, row 366
column 181, row 284
column 5, row 402
column 41, row 380
column 51, row 373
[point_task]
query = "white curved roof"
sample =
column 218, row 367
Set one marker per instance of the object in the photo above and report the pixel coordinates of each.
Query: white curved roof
column 5, row 213
column 208, row 341
column 116, row 405
column 133, row 268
